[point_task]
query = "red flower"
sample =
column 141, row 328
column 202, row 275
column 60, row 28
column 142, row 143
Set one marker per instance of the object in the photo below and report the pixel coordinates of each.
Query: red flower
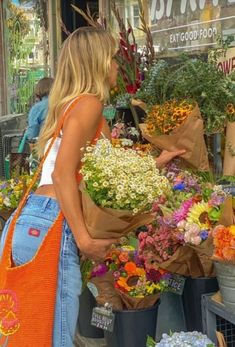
column 131, row 88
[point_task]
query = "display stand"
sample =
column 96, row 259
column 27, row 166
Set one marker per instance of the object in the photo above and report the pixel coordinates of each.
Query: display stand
column 216, row 317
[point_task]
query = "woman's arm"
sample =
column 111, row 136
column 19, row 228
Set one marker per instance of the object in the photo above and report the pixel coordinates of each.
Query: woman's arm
column 165, row 157
column 80, row 127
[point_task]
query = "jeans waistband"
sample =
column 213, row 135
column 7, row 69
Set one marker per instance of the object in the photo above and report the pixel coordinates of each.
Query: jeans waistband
column 42, row 201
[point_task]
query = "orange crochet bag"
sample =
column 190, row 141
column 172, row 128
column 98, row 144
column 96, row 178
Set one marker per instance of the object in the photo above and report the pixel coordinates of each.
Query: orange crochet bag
column 28, row 292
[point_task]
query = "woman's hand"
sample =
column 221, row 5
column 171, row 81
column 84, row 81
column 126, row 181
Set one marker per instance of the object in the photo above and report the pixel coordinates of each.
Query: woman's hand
column 167, row 156
column 94, row 249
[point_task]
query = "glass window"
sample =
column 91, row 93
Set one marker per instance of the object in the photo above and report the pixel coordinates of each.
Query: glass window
column 27, row 50
column 183, row 25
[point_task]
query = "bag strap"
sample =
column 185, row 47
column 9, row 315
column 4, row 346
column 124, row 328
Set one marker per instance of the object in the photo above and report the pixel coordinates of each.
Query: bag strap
column 8, row 243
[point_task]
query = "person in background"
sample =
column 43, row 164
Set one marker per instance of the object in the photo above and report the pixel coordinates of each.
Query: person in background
column 38, row 111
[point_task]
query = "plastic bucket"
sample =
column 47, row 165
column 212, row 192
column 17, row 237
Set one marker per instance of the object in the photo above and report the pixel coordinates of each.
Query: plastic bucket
column 86, row 304
column 131, row 327
column 226, row 278
column 193, row 290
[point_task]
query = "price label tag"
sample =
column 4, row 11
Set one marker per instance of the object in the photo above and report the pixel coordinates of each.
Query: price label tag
column 103, row 318
column 176, row 284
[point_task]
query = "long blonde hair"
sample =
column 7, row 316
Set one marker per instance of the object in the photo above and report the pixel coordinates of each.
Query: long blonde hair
column 83, row 67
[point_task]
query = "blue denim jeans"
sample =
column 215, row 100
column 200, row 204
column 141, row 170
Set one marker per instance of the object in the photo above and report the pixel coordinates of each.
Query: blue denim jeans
column 36, row 218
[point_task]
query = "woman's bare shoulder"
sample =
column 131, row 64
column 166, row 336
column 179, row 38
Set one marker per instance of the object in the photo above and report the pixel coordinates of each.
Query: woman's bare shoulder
column 89, row 101
column 87, row 109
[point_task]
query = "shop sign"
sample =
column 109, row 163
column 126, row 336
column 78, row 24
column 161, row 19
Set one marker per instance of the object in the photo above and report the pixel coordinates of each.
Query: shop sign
column 188, row 24
column 227, row 63
column 161, row 8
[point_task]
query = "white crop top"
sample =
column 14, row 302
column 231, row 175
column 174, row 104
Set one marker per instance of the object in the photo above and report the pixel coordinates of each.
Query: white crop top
column 49, row 163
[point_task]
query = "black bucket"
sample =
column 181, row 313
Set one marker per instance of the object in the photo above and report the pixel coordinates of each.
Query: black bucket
column 131, row 327
column 87, row 302
column 193, row 291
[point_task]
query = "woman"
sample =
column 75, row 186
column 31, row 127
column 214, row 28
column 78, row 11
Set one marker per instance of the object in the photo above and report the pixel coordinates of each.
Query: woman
column 86, row 71
column 38, row 111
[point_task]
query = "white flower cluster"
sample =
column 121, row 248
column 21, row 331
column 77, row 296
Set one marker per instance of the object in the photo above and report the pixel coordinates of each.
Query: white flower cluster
column 185, row 339
column 121, row 178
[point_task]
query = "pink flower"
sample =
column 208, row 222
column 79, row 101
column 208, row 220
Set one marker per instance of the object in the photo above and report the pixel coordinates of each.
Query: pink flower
column 196, row 240
column 193, row 229
column 182, row 212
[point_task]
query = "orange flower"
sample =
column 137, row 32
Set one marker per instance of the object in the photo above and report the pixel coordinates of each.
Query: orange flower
column 224, row 242
column 169, row 116
column 130, row 267
column 123, row 257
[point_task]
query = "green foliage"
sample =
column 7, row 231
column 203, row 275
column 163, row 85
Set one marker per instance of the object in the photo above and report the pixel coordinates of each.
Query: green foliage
column 151, row 90
column 192, row 79
column 150, row 342
column 18, row 27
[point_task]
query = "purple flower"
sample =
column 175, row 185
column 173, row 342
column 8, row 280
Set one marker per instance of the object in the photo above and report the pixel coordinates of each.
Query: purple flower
column 99, row 270
column 153, row 275
column 116, row 275
column 204, row 235
column 180, row 186
column 216, row 200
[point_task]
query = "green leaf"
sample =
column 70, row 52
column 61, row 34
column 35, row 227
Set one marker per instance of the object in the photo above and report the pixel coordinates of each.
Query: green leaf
column 150, row 342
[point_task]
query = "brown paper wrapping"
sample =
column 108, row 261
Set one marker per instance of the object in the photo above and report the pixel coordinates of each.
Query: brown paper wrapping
column 181, row 262
column 227, row 215
column 221, row 339
column 106, row 291
column 103, row 223
column 188, row 136
column 131, row 303
column 139, row 103
column 229, row 160
column 203, row 253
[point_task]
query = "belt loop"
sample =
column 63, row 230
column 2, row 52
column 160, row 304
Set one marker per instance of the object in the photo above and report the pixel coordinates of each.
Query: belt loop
column 45, row 203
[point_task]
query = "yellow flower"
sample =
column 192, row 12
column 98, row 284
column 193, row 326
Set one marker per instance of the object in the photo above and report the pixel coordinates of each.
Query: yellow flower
column 198, row 214
column 232, row 230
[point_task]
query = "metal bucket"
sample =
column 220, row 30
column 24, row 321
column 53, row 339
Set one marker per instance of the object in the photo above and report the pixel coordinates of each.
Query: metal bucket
column 131, row 327
column 226, row 278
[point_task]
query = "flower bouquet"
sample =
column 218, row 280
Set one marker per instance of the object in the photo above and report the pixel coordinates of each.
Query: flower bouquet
column 170, row 127
column 182, row 339
column 180, row 239
column 11, row 192
column 123, row 281
column 224, row 254
column 118, row 189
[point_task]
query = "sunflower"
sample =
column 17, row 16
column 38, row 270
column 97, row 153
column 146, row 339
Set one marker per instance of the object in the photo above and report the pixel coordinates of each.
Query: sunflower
column 198, row 214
